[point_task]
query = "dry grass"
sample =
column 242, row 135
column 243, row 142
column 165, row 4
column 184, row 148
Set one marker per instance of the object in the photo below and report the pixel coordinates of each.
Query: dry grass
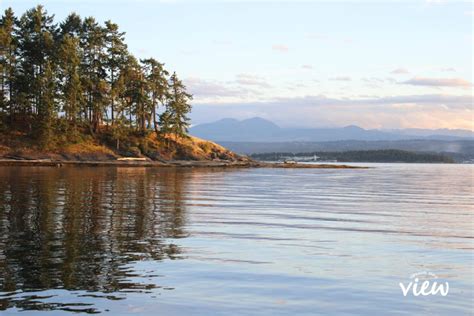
column 87, row 147
column 166, row 147
column 169, row 147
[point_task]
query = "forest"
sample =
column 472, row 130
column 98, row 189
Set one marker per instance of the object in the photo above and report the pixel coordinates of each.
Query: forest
column 384, row 155
column 61, row 82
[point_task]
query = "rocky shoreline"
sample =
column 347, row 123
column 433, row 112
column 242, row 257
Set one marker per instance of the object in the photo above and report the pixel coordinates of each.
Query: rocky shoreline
column 173, row 163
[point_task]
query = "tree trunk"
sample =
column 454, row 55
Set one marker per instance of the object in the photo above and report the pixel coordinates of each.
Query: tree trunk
column 113, row 97
column 155, row 122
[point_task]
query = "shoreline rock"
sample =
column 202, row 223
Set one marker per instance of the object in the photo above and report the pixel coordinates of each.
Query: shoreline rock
column 168, row 164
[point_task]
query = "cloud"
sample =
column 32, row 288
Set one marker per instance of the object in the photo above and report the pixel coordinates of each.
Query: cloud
column 449, row 69
column 400, row 71
column 424, row 111
column 341, row 78
column 244, row 86
column 438, row 82
column 430, row 100
column 375, row 82
column 207, row 89
column 450, row 101
column 252, row 80
column 204, row 88
column 280, row 48
column 307, row 66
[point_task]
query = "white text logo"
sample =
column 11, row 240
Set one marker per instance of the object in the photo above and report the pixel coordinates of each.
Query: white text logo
column 424, row 283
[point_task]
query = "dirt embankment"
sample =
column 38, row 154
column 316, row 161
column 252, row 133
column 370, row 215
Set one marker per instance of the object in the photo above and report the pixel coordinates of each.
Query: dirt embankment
column 163, row 149
column 18, row 150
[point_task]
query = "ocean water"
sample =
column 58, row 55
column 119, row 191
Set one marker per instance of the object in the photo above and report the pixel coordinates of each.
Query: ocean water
column 152, row 241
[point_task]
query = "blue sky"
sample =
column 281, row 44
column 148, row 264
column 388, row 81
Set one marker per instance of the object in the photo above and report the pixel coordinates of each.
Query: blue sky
column 384, row 64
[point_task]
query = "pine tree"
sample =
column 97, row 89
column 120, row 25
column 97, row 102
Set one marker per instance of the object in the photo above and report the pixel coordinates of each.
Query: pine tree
column 71, row 26
column 57, row 78
column 158, row 86
column 175, row 118
column 46, row 112
column 94, row 72
column 7, row 60
column 71, row 88
column 36, row 50
column 116, row 57
column 135, row 94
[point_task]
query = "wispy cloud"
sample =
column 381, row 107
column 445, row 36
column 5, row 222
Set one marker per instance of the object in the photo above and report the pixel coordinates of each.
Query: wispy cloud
column 448, row 69
column 341, row 78
column 280, row 48
column 439, row 82
column 206, row 88
column 454, row 101
column 251, row 80
column 211, row 90
column 400, row 71
column 428, row 100
column 423, row 111
column 243, row 87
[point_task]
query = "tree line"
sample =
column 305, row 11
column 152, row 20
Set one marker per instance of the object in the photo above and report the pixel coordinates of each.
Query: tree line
column 77, row 76
column 383, row 155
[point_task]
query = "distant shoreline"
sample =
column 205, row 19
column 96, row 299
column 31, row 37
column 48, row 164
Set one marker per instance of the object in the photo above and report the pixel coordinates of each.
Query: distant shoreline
column 168, row 164
column 363, row 156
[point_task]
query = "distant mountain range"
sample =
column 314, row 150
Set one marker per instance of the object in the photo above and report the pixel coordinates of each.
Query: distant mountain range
column 261, row 130
column 460, row 150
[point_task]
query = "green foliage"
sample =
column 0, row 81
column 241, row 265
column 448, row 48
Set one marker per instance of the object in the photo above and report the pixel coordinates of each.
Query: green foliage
column 385, row 155
column 158, row 86
column 58, row 81
column 175, row 119
column 70, row 88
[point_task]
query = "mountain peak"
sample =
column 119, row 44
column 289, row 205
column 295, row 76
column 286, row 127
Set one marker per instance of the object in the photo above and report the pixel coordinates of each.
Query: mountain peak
column 354, row 128
column 257, row 129
column 260, row 122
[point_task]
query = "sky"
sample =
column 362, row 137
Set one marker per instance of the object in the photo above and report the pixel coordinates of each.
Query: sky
column 375, row 64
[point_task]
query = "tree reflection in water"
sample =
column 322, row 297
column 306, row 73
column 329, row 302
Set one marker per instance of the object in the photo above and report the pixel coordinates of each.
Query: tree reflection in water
column 78, row 228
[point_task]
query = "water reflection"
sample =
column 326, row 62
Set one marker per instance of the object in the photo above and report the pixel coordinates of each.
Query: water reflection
column 255, row 241
column 76, row 228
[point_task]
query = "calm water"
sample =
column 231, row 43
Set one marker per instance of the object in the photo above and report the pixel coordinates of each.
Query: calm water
column 235, row 242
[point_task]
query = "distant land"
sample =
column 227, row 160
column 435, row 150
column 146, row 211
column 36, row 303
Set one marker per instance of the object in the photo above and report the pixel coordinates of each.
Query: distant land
column 257, row 135
column 459, row 150
column 385, row 155
column 260, row 130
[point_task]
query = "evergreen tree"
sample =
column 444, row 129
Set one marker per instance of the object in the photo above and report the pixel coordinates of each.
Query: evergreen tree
column 36, row 48
column 7, row 60
column 46, row 112
column 76, row 74
column 71, row 88
column 158, row 86
column 94, row 72
column 175, row 118
column 116, row 57
column 135, row 93
column 71, row 26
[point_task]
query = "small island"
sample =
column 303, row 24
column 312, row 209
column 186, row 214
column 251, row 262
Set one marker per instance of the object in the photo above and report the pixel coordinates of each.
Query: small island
column 72, row 93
